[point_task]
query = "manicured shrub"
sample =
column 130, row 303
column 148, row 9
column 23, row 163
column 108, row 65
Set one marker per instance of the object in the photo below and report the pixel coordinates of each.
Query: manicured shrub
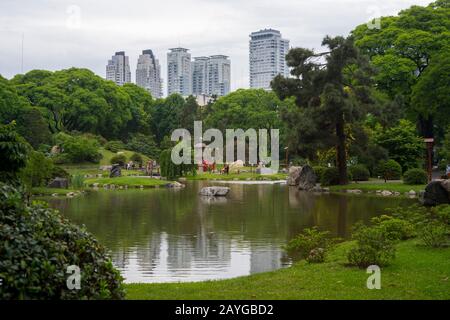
column 137, row 158
column 318, row 170
column 389, row 170
column 395, row 228
column 373, row 247
column 311, row 244
column 415, row 176
column 144, row 144
column 435, row 234
column 119, row 159
column 114, row 146
column 359, row 172
column 77, row 149
column 330, row 176
column 37, row 245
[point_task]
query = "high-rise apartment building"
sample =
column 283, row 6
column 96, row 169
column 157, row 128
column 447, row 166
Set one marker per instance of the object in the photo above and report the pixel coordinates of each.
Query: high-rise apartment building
column 148, row 73
column 179, row 77
column 267, row 57
column 118, row 69
column 211, row 75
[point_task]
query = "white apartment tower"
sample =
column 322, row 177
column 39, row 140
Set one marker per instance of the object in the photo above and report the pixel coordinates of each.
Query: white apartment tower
column 211, row 75
column 118, row 69
column 179, row 77
column 148, row 73
column 267, row 57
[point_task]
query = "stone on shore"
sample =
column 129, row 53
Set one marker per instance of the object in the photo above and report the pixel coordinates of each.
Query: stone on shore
column 60, row 183
column 436, row 193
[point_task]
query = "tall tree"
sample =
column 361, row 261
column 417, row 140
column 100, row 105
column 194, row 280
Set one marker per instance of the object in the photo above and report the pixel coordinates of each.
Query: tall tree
column 331, row 88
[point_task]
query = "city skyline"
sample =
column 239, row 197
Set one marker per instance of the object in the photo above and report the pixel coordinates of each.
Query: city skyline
column 220, row 27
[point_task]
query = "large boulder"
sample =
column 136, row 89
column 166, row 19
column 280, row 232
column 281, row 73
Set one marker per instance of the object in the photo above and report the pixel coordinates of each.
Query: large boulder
column 214, row 191
column 307, row 178
column 436, row 193
column 116, row 171
column 294, row 176
column 60, row 183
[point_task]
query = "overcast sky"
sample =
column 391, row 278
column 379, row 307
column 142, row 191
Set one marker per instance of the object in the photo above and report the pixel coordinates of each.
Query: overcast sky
column 85, row 33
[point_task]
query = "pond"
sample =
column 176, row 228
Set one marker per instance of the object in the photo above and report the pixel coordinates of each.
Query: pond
column 166, row 235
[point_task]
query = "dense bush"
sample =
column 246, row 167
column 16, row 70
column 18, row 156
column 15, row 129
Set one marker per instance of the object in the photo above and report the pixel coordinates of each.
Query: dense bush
column 77, row 149
column 144, row 144
column 388, row 170
column 395, row 228
column 77, row 181
column 58, row 172
column 119, row 159
column 415, row 176
column 137, row 158
column 312, row 245
column 359, row 172
column 435, row 234
column 38, row 170
column 114, row 146
column 169, row 170
column 330, row 176
column 13, row 153
column 373, row 247
column 318, row 170
column 37, row 245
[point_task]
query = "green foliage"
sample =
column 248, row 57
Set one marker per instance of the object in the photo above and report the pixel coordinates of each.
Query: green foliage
column 38, row 170
column 415, row 176
column 330, row 176
column 395, row 228
column 311, row 244
column 444, row 151
column 58, row 172
column 13, row 153
column 359, row 172
column 33, row 127
column 119, row 159
column 373, row 247
column 137, row 158
column 77, row 181
column 435, row 234
column 37, row 245
column 388, row 170
column 403, row 144
column 144, row 144
column 318, row 170
column 77, row 149
column 114, row 146
column 170, row 171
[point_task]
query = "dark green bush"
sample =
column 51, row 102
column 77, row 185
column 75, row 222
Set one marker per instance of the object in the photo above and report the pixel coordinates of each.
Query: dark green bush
column 137, row 158
column 77, row 149
column 330, row 176
column 144, row 144
column 389, row 170
column 58, row 172
column 311, row 244
column 359, row 172
column 37, row 245
column 373, row 247
column 38, row 170
column 13, row 153
column 395, row 228
column 318, row 170
column 114, row 146
column 435, row 234
column 119, row 159
column 415, row 176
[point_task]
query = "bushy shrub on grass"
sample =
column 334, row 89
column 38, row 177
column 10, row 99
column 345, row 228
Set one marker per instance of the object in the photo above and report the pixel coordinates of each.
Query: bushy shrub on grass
column 77, row 181
column 373, row 247
column 435, row 234
column 415, row 176
column 59, row 172
column 37, row 245
column 395, row 228
column 388, row 170
column 330, row 176
column 311, row 244
column 119, row 159
column 77, row 149
column 137, row 158
column 38, row 170
column 359, row 172
column 318, row 170
column 114, row 146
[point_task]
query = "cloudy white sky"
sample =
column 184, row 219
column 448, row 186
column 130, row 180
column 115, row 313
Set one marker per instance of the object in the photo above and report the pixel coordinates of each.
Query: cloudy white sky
column 85, row 33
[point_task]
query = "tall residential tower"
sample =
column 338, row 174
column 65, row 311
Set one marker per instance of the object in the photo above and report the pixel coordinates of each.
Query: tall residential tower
column 148, row 73
column 118, row 69
column 179, row 77
column 267, row 57
column 211, row 75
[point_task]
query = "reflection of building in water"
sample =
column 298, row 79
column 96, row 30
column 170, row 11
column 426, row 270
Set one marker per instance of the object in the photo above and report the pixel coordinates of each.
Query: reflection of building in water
column 120, row 258
column 149, row 255
column 265, row 258
column 179, row 252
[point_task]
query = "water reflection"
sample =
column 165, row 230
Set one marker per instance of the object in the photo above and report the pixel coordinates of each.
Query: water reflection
column 167, row 235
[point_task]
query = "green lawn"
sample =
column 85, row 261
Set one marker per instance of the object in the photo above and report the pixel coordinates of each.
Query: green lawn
column 416, row 273
column 379, row 185
column 128, row 181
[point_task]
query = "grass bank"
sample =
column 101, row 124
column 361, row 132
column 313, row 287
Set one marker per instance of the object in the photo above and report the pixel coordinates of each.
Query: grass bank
column 379, row 185
column 43, row 191
column 127, row 181
column 416, row 273
column 237, row 176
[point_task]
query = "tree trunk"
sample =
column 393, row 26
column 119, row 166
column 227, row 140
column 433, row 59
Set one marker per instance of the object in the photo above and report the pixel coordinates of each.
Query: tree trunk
column 341, row 157
column 426, row 127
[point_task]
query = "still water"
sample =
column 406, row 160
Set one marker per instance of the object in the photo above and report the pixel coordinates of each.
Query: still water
column 166, row 235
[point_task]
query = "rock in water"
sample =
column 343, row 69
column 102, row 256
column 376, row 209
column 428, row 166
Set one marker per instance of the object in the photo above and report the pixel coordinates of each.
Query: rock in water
column 61, row 183
column 435, row 194
column 115, row 171
column 175, row 184
column 294, row 176
column 214, row 191
column 307, row 178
